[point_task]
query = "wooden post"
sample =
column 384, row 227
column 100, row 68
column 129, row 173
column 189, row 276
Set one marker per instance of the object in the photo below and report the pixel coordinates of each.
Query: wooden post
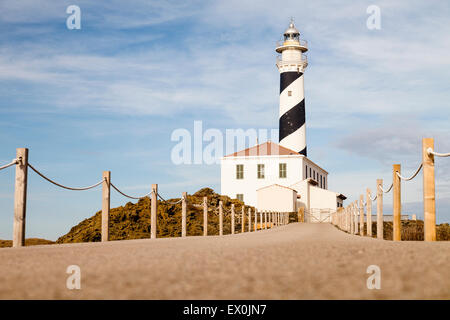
column 183, row 213
column 260, row 220
column 379, row 209
column 243, row 219
column 154, row 212
column 361, row 215
column 397, row 203
column 265, row 219
column 220, row 218
column 356, row 217
column 249, row 220
column 369, row 213
column 20, row 197
column 256, row 220
column 232, row 218
column 106, row 204
column 352, row 225
column 429, row 193
column 205, row 216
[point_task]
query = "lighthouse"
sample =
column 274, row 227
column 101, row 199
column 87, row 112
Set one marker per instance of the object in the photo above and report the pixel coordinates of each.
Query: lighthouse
column 291, row 64
column 279, row 176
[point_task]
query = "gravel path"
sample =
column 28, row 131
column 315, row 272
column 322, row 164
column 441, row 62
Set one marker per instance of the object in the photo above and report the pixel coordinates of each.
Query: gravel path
column 297, row 261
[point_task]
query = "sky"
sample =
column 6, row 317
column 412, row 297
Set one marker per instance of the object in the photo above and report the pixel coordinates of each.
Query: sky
column 109, row 95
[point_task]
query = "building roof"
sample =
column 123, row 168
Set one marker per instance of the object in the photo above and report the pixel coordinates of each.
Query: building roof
column 268, row 148
column 276, row 185
column 341, row 196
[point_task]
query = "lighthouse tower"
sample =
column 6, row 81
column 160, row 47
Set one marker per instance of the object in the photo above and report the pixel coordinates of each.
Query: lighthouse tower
column 291, row 64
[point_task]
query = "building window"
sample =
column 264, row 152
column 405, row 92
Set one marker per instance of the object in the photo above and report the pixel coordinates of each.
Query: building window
column 320, row 180
column 324, row 183
column 289, row 93
column 260, row 171
column 283, row 173
column 239, row 171
column 310, row 175
column 306, row 173
column 240, row 197
column 314, row 174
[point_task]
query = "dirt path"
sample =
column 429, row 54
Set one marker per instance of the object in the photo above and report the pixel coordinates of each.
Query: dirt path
column 297, row 261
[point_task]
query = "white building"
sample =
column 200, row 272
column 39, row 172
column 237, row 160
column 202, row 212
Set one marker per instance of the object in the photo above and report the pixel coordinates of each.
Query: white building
column 244, row 172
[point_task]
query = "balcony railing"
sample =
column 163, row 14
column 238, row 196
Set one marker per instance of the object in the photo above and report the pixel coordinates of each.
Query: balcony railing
column 303, row 43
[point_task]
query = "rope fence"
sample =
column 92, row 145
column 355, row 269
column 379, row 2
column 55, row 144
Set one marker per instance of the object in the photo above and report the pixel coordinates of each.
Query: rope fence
column 128, row 196
column 353, row 217
column 13, row 162
column 266, row 219
column 65, row 187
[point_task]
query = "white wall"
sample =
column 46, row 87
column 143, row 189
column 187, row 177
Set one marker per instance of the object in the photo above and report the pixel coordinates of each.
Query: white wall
column 308, row 164
column 323, row 199
column 231, row 186
column 276, row 198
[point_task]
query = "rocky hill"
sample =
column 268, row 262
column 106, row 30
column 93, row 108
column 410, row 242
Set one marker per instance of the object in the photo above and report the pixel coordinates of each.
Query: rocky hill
column 132, row 221
column 28, row 242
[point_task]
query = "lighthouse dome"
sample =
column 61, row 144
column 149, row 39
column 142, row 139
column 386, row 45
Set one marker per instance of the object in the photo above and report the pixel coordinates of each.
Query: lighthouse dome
column 292, row 30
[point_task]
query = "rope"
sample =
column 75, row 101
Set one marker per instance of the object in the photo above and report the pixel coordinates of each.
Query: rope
column 125, row 195
column 430, row 151
column 413, row 176
column 176, row 202
column 13, row 162
column 386, row 191
column 373, row 199
column 64, row 187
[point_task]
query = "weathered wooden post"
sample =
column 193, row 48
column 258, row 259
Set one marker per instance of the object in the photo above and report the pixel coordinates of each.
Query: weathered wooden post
column 20, row 197
column 361, row 215
column 379, row 209
column 369, row 213
column 256, row 220
column 232, row 218
column 397, row 203
column 205, row 216
column 344, row 219
column 183, row 213
column 429, row 193
column 154, row 211
column 220, row 218
column 352, row 224
column 265, row 219
column 106, row 204
column 249, row 220
column 260, row 220
column 243, row 219
column 349, row 221
column 356, row 217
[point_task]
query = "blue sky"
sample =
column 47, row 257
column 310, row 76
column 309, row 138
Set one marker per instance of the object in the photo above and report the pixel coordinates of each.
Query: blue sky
column 108, row 96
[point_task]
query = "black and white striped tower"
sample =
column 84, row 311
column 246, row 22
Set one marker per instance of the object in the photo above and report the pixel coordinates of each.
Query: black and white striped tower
column 291, row 64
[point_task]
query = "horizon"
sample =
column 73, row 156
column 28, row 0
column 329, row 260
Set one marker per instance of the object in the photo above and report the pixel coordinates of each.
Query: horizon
column 109, row 96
